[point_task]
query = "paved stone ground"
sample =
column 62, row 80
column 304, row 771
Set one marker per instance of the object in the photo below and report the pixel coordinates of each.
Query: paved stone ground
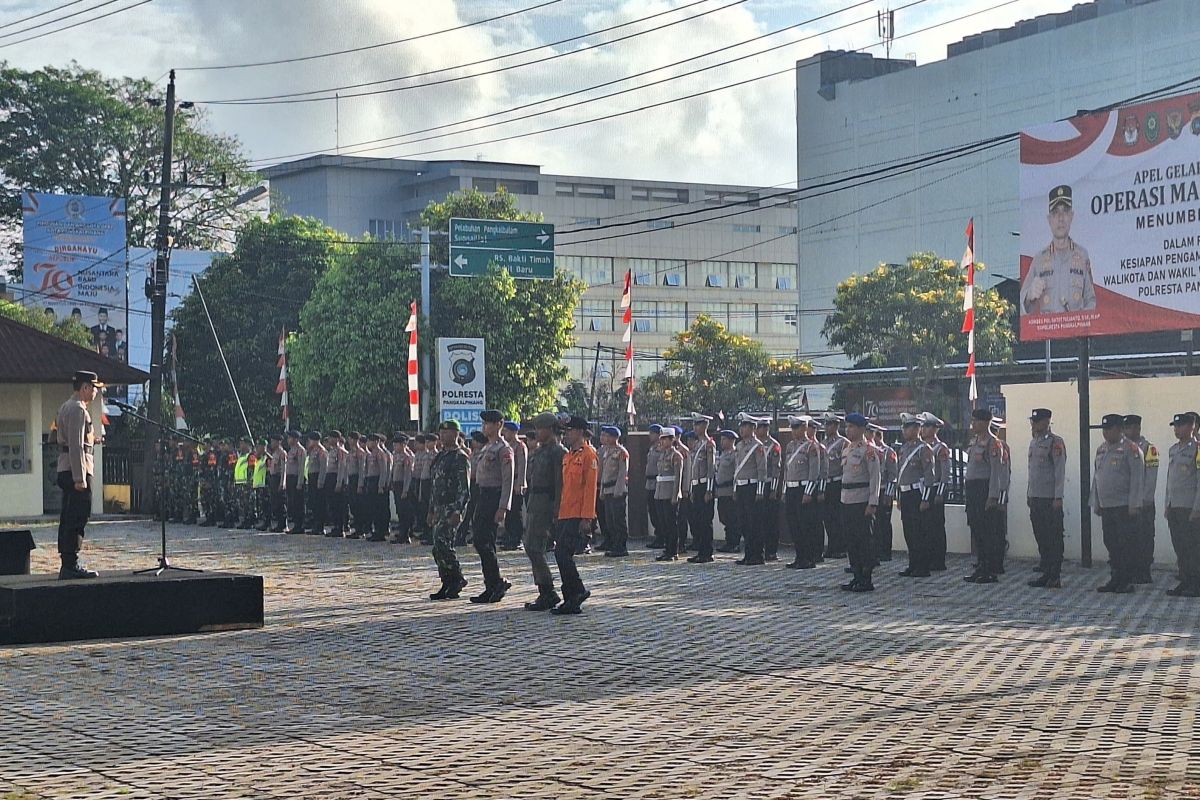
column 678, row 681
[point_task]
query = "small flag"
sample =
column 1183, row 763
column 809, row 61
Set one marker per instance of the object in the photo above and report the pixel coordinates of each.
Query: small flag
column 968, row 263
column 414, row 398
column 281, row 388
column 804, row 401
column 627, row 338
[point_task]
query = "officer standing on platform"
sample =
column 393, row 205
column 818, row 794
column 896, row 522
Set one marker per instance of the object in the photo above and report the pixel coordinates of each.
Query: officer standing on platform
column 1044, row 495
column 1183, row 505
column 294, row 482
column 930, row 425
column 832, row 492
column 449, row 491
column 1143, row 543
column 724, row 489
column 514, row 522
column 494, row 480
column 984, row 485
column 652, row 456
column 750, row 487
column 545, row 475
column 769, row 507
column 75, row 438
column 915, row 489
column 614, row 488
column 1117, row 498
column 577, row 510
column 667, row 492
column 801, row 479
column 702, row 472
column 861, row 477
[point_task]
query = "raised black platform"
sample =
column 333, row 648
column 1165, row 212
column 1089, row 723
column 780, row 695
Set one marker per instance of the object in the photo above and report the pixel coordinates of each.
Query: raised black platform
column 41, row 608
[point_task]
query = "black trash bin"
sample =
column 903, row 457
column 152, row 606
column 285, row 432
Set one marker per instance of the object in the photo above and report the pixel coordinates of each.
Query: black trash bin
column 15, row 547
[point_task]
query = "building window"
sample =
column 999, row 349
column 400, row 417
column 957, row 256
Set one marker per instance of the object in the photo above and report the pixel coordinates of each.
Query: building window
column 716, row 311
column 660, row 224
column 779, row 276
column 601, row 191
column 741, row 274
column 493, row 185
column 672, row 316
column 743, row 318
column 741, row 228
column 14, row 449
column 645, row 316
column 715, row 281
column 596, row 315
column 786, row 229
column 672, row 279
column 778, row 319
column 586, row 220
column 643, row 279
column 728, row 198
column 659, row 193
column 674, row 272
column 383, row 229
column 592, row 270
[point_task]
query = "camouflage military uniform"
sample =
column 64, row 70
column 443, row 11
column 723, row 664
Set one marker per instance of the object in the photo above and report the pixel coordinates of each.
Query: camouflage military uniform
column 173, row 480
column 187, row 493
column 450, row 490
column 208, row 482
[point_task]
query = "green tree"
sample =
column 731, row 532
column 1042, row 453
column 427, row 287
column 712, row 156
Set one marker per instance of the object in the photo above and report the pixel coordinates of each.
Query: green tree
column 67, row 329
column 75, row 131
column 252, row 294
column 355, row 377
column 711, row 369
column 910, row 315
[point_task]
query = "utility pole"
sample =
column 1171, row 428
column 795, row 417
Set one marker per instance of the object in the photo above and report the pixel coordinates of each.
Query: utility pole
column 156, row 286
column 427, row 312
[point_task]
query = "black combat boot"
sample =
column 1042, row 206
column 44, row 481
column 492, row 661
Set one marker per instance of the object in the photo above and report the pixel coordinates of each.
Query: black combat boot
column 547, row 599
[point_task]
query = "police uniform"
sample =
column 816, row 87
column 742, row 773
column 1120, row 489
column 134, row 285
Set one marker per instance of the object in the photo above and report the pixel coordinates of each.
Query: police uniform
column 259, row 485
column 652, row 457
column 768, row 509
column 329, row 482
column 682, row 515
column 1117, row 482
column 449, row 491
column 494, row 481
column 702, row 471
column 723, row 490
column 75, row 437
column 861, row 477
column 998, row 428
column 914, row 488
column 191, row 474
column 881, row 523
column 801, row 479
column 422, row 465
column 276, row 488
column 294, row 482
column 1044, row 495
column 514, row 521
column 614, row 489
column 835, row 546
column 667, row 493
column 402, row 477
column 1183, row 509
column 750, row 487
column 984, row 477
column 1060, row 278
column 936, row 516
column 1143, row 543
column 339, row 501
column 544, row 475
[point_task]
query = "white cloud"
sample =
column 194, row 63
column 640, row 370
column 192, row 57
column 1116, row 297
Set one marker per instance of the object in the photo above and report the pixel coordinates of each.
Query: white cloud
column 746, row 134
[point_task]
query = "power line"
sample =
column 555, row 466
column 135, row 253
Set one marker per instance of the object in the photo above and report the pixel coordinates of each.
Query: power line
column 302, row 97
column 31, row 17
column 56, row 19
column 76, row 24
column 364, row 48
column 622, row 79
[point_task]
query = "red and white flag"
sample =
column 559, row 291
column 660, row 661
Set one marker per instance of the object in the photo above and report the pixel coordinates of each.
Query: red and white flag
column 414, row 397
column 968, row 263
column 180, row 421
column 281, row 388
column 627, row 337
column 804, row 401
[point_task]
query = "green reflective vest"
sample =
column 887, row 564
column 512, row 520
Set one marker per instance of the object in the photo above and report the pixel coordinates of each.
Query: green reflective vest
column 240, row 469
column 260, row 473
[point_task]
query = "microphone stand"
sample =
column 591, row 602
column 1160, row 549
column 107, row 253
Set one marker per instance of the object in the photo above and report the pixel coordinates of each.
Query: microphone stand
column 164, row 564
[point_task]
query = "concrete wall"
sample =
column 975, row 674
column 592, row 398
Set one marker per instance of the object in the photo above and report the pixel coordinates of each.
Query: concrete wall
column 21, row 495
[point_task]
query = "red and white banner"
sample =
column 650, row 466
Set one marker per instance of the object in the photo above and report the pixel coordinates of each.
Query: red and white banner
column 627, row 338
column 281, row 388
column 414, row 397
column 1110, row 222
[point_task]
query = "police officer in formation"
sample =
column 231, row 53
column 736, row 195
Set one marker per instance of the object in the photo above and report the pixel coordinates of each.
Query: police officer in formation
column 701, row 473
column 544, row 493
column 915, row 482
column 1044, row 495
column 614, row 488
column 1118, row 480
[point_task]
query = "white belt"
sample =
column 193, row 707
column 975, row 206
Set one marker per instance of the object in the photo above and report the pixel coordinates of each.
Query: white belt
column 838, row 479
column 794, row 484
column 910, row 487
column 665, row 478
column 699, row 481
column 744, row 483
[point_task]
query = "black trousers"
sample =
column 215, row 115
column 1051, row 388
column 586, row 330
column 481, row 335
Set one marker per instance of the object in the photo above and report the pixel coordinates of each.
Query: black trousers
column 421, row 488
column 683, row 519
column 727, row 513
column 315, row 501
column 769, row 514
column 793, row 500
column 884, row 532
column 618, row 525
column 1143, row 543
column 353, row 511
column 652, row 511
column 667, row 527
column 514, row 523
column 404, row 515
column 370, row 506
column 831, row 512
column 856, row 526
column 1119, row 529
column 1185, row 536
column 749, row 520
column 277, row 512
column 916, row 538
column 937, row 533
column 483, row 535
column 76, row 510
column 567, row 540
column 701, row 517
column 985, row 525
column 1047, row 522
column 295, row 502
column 327, row 502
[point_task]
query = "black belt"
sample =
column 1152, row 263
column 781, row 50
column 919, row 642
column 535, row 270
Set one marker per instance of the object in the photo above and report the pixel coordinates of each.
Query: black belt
column 724, row 485
column 87, row 448
column 608, row 485
column 855, row 485
column 541, row 490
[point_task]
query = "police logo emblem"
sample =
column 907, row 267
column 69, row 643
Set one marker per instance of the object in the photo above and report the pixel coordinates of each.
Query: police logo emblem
column 1152, row 129
column 1130, row 131
column 1174, row 123
column 462, row 363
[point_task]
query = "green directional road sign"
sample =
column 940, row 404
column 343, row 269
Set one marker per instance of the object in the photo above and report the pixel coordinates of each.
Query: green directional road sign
column 524, row 249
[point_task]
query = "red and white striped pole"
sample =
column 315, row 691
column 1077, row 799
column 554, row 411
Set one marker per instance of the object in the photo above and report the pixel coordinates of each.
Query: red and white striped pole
column 968, row 262
column 281, row 388
column 627, row 337
column 414, row 396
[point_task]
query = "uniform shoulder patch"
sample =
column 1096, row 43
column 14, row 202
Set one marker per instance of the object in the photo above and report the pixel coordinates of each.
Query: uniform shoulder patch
column 508, row 454
column 1152, row 456
column 872, row 453
column 1059, row 447
column 622, row 454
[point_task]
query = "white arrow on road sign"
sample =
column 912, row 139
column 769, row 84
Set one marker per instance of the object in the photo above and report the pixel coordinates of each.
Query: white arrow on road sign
column 461, row 261
column 543, row 238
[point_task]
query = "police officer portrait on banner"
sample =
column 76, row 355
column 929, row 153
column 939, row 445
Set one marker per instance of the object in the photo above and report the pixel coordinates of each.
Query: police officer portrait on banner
column 1059, row 280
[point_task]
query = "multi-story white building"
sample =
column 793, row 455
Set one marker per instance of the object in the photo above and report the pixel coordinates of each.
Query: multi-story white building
column 716, row 250
column 854, row 111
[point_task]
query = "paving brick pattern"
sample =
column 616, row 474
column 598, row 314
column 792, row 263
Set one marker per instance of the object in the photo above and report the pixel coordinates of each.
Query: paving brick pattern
column 678, row 681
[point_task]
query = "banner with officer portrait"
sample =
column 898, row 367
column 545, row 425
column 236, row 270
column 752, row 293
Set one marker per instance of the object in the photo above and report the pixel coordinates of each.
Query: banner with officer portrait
column 1110, row 222
column 462, row 392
